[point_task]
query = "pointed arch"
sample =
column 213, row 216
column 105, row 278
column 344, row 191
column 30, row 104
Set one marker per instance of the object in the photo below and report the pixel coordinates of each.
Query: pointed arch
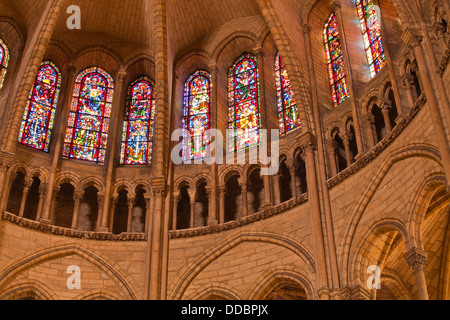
column 4, row 60
column 90, row 112
column 335, row 61
column 138, row 125
column 372, row 35
column 288, row 112
column 196, row 113
column 37, row 123
column 244, row 116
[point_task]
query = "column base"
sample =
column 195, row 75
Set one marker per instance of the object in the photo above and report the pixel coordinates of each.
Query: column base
column 359, row 157
column 267, row 206
column 103, row 230
column 400, row 118
column 45, row 221
column 213, row 223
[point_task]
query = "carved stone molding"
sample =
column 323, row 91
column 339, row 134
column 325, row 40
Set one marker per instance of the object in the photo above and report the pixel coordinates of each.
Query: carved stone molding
column 72, row 233
column 380, row 147
column 417, row 259
column 216, row 228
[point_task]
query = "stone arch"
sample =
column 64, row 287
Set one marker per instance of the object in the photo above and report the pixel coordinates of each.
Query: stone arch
column 279, row 276
column 122, row 185
column 99, row 50
column 92, row 181
column 21, row 34
column 39, row 173
column 141, row 185
column 191, row 273
column 367, row 241
column 28, row 288
column 229, row 39
column 99, row 294
column 229, row 172
column 430, row 185
column 183, row 181
column 218, row 291
column 407, row 152
column 139, row 57
column 68, row 177
column 395, row 283
column 37, row 258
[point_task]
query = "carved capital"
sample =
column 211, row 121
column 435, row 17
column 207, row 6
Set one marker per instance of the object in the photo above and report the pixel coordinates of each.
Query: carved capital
column 121, row 76
column 213, row 69
column 417, row 259
column 412, row 37
column 72, row 69
column 6, row 160
column 336, row 5
column 259, row 52
column 78, row 195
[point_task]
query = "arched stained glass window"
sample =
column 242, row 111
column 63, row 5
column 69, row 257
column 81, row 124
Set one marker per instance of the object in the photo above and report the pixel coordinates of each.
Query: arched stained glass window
column 288, row 113
column 4, row 60
column 196, row 117
column 244, row 115
column 138, row 125
column 372, row 35
column 90, row 112
column 335, row 61
column 37, row 122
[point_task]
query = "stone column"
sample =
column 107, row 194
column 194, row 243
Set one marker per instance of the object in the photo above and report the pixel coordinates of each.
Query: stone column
column 59, row 133
column 276, row 189
column 38, row 46
column 50, row 219
column 346, row 137
column 42, row 192
column 391, row 69
column 102, row 219
column 131, row 202
column 267, row 193
column 148, row 212
column 413, row 38
column 213, row 216
column 417, row 260
column 77, row 197
column 441, row 95
column 292, row 172
column 369, row 119
column 408, row 82
column 336, row 7
column 222, row 192
column 6, row 160
column 154, row 254
column 26, row 189
column 331, row 146
column 192, row 201
column 112, row 210
column 243, row 185
column 175, row 199
column 385, row 108
column 316, row 220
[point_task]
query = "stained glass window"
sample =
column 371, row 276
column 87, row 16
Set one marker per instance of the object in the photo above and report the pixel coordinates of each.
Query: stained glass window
column 335, row 61
column 89, row 118
column 288, row 113
column 137, row 139
column 372, row 35
column 37, row 122
column 197, row 99
column 4, row 59
column 243, row 103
